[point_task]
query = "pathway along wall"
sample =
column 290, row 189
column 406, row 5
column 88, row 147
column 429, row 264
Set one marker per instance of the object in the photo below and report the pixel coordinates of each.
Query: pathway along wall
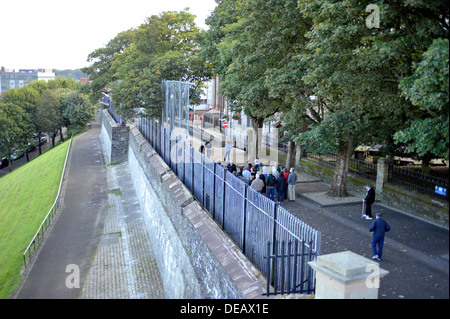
column 195, row 258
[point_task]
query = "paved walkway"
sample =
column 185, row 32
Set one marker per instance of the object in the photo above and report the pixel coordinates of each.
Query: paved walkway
column 100, row 231
column 416, row 252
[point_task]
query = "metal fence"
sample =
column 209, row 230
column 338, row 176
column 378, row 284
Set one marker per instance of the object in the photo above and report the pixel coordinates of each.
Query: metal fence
column 250, row 219
column 407, row 177
column 107, row 103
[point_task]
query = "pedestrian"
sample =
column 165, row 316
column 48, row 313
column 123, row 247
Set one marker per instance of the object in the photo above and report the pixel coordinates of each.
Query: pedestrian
column 263, row 178
column 202, row 148
column 231, row 167
column 280, row 186
column 270, row 186
column 292, row 179
column 246, row 173
column 227, row 151
column 379, row 227
column 275, row 170
column 286, row 176
column 257, row 184
column 369, row 200
column 208, row 146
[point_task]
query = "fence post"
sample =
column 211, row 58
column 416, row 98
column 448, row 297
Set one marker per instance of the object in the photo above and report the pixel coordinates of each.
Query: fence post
column 245, row 217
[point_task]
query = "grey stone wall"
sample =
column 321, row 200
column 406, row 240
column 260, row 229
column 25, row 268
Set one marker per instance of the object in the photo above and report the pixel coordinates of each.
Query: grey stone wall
column 195, row 258
column 114, row 138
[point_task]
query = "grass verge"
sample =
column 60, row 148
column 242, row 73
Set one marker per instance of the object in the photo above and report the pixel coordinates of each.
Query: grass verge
column 26, row 195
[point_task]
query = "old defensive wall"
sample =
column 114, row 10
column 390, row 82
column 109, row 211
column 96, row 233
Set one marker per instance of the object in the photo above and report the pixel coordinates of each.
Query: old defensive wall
column 196, row 259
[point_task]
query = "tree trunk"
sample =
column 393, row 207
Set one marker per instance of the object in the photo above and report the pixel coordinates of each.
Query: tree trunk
column 257, row 124
column 291, row 155
column 339, row 184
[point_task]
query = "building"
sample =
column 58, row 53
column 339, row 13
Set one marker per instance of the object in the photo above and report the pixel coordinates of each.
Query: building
column 11, row 79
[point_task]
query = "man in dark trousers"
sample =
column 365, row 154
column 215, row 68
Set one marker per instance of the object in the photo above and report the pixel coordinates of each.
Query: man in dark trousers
column 379, row 227
column 369, row 200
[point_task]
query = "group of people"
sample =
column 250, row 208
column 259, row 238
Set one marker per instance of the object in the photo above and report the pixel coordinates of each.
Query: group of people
column 274, row 181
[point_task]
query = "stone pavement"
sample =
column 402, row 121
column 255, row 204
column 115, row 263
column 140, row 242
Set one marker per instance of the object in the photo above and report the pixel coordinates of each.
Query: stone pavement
column 124, row 266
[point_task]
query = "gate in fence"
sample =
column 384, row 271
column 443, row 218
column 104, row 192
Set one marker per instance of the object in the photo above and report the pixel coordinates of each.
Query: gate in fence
column 275, row 241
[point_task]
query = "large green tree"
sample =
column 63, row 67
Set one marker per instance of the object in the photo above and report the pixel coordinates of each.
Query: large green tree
column 253, row 44
column 356, row 71
column 14, row 130
column 428, row 90
column 48, row 114
column 165, row 47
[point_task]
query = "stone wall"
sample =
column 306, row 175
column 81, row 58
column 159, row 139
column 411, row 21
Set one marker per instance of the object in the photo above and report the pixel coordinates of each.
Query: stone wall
column 195, row 258
column 114, row 138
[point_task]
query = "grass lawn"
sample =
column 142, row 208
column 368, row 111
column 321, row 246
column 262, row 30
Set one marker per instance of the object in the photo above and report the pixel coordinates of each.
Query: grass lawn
column 26, row 196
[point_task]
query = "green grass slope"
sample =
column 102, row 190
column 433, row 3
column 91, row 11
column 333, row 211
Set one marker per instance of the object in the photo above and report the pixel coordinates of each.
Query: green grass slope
column 26, row 195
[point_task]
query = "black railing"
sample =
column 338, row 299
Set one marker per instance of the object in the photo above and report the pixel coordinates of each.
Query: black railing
column 407, row 177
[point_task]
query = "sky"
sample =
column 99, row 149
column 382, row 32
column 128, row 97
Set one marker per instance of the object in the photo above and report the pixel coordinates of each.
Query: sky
column 60, row 34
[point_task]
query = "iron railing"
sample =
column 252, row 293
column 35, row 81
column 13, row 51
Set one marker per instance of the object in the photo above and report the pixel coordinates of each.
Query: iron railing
column 49, row 218
column 406, row 177
column 247, row 216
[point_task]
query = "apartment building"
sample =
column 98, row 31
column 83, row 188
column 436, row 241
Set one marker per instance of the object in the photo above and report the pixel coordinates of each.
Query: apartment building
column 11, row 79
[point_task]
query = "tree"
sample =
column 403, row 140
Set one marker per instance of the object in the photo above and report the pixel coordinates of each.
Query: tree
column 48, row 114
column 428, row 90
column 77, row 109
column 100, row 72
column 163, row 48
column 14, row 130
column 253, row 44
column 356, row 72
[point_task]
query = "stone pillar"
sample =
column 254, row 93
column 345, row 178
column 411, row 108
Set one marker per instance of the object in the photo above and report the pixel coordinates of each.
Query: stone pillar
column 119, row 143
column 382, row 174
column 346, row 275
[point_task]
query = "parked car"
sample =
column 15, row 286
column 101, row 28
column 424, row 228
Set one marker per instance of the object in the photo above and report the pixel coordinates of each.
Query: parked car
column 16, row 154
column 4, row 163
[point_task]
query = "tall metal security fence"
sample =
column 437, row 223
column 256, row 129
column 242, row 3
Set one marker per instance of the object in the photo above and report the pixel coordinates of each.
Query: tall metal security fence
column 262, row 229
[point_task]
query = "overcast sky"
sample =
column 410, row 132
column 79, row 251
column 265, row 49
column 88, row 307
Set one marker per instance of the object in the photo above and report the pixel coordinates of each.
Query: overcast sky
column 60, row 34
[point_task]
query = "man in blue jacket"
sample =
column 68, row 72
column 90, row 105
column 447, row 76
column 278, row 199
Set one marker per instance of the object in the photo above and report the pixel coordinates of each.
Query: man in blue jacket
column 379, row 227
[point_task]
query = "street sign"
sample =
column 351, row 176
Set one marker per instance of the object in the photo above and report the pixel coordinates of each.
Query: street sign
column 225, row 124
column 440, row 190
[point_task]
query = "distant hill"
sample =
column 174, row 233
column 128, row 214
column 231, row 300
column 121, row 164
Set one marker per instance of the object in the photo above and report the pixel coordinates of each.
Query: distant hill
column 74, row 74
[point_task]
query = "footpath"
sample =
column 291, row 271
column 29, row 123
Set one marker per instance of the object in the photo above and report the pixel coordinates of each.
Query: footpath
column 100, row 230
column 98, row 247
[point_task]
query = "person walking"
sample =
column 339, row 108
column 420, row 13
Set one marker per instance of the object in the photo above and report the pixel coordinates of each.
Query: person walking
column 270, row 186
column 280, row 186
column 379, row 227
column 227, row 151
column 369, row 200
column 292, row 179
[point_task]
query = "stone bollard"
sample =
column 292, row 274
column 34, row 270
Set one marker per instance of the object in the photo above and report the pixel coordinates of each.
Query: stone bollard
column 346, row 275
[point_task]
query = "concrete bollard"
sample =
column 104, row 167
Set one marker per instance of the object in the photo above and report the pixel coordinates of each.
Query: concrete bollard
column 346, row 275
